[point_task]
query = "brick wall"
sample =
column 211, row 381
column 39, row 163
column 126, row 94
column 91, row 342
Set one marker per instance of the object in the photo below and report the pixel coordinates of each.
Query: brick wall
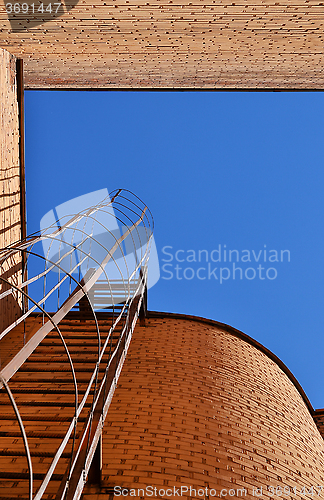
column 10, row 212
column 166, row 44
column 197, row 405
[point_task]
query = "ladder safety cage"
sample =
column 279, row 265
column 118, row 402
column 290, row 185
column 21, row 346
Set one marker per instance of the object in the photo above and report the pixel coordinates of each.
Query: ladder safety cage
column 80, row 293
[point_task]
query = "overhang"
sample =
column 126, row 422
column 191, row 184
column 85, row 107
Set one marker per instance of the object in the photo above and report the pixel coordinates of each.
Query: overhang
column 171, row 44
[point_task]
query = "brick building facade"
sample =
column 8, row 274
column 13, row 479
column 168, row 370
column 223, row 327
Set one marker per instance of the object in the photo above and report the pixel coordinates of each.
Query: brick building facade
column 200, row 404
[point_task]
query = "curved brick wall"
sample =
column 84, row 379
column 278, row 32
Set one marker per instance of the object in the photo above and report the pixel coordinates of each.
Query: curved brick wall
column 197, row 405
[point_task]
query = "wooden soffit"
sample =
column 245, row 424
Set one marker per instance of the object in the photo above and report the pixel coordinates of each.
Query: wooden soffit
column 170, row 44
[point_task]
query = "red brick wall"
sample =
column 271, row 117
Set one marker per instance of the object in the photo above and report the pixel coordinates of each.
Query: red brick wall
column 10, row 214
column 198, row 406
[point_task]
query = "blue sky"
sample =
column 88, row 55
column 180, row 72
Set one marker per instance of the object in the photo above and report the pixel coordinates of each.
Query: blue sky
column 241, row 169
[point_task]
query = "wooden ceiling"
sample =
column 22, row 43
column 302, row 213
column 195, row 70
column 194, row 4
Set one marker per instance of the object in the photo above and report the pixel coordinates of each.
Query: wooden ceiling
column 172, row 44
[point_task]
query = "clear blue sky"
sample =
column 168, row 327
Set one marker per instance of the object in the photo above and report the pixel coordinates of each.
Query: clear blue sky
column 243, row 170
